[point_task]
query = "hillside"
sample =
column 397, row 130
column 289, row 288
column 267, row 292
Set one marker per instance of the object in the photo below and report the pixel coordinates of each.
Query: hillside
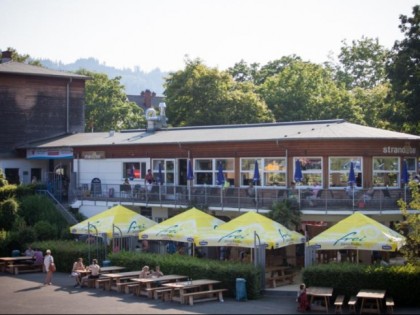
column 134, row 81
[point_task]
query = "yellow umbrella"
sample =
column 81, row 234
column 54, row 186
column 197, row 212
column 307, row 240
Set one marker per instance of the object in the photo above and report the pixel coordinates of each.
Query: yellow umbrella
column 240, row 232
column 182, row 227
column 119, row 219
column 358, row 231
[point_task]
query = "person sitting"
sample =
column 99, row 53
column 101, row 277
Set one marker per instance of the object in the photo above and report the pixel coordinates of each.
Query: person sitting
column 30, row 253
column 313, row 194
column 39, row 257
column 75, row 272
column 157, row 272
column 145, row 272
column 368, row 195
column 94, row 269
column 302, row 299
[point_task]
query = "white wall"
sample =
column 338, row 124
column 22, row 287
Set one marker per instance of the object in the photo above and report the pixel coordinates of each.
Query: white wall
column 25, row 165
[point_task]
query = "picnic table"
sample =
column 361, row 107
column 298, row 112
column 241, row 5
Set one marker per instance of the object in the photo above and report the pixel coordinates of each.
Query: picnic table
column 152, row 285
column 276, row 274
column 367, row 295
column 108, row 279
column 321, row 294
column 203, row 289
column 9, row 263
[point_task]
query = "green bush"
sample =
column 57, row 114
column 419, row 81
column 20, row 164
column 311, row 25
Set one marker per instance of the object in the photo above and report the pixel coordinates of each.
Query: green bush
column 225, row 271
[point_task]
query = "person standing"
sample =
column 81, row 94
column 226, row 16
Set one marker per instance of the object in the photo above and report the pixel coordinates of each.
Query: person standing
column 48, row 261
column 149, row 180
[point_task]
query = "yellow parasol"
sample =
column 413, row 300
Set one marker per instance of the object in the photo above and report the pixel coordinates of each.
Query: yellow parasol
column 358, row 231
column 182, row 227
column 116, row 220
column 240, row 232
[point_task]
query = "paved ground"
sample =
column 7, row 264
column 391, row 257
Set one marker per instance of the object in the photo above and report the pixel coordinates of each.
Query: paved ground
column 25, row 294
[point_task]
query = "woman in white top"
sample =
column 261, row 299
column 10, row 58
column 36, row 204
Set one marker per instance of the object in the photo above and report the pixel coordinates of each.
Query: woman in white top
column 48, row 260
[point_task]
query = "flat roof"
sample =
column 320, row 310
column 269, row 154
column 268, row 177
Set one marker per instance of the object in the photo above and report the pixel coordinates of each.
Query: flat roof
column 300, row 130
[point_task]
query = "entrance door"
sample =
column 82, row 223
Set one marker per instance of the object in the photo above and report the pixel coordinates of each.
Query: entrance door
column 12, row 175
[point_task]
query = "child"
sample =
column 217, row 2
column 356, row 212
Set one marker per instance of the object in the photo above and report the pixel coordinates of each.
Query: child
column 302, row 299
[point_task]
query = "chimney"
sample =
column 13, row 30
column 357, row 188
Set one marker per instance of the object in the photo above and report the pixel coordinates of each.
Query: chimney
column 6, row 56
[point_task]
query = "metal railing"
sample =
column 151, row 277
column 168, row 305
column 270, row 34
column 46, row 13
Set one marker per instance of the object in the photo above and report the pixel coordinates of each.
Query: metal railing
column 68, row 216
column 235, row 198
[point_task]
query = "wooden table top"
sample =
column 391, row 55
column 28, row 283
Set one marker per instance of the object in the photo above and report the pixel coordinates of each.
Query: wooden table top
column 8, row 259
column 371, row 294
column 186, row 284
column 319, row 291
column 161, row 278
column 121, row 274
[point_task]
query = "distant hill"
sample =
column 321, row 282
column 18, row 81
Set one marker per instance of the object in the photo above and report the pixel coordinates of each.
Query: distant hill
column 134, row 81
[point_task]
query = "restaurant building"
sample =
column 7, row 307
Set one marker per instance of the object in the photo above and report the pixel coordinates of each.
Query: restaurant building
column 99, row 162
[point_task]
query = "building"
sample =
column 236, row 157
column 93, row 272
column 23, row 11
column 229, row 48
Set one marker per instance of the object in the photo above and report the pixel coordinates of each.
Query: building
column 37, row 104
column 325, row 151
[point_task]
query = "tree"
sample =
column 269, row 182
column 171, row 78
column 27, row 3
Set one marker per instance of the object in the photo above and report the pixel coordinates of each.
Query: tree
column 404, row 70
column 107, row 107
column 362, row 64
column 8, row 213
column 23, row 58
column 410, row 226
column 286, row 214
column 199, row 95
column 306, row 91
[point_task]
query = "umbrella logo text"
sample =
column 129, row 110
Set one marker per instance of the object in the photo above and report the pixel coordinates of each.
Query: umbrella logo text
column 350, row 237
column 233, row 235
column 171, row 229
column 133, row 227
column 284, row 236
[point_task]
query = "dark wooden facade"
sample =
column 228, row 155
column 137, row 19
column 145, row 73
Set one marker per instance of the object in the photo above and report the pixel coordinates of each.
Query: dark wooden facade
column 35, row 107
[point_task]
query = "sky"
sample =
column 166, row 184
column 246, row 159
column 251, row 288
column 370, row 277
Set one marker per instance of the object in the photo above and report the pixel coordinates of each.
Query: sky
column 150, row 34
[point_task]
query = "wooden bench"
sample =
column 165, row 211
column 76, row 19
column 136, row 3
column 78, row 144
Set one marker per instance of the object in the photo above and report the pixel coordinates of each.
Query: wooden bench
column 389, row 302
column 122, row 286
column 17, row 268
column 209, row 295
column 104, row 282
column 163, row 292
column 338, row 303
column 288, row 277
column 352, row 304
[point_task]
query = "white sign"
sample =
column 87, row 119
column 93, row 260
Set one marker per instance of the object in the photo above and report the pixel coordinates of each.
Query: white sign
column 51, row 153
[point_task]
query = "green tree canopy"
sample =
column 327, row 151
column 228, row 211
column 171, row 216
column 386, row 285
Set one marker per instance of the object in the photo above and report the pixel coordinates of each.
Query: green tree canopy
column 362, row 64
column 404, row 71
column 306, row 91
column 107, row 107
column 199, row 95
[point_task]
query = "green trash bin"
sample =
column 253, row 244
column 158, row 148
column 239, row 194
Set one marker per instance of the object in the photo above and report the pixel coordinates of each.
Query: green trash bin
column 241, row 289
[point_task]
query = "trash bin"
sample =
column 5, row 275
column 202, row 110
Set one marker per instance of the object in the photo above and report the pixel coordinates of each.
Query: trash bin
column 241, row 289
column 15, row 253
column 106, row 263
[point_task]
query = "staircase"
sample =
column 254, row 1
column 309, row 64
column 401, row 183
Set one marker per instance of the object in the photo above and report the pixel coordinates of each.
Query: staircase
column 67, row 215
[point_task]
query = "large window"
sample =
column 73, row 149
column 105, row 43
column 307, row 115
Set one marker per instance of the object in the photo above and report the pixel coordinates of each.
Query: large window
column 386, row 172
column 166, row 174
column 339, row 168
column 272, row 171
column 205, row 171
column 311, row 170
column 134, row 170
column 411, row 166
